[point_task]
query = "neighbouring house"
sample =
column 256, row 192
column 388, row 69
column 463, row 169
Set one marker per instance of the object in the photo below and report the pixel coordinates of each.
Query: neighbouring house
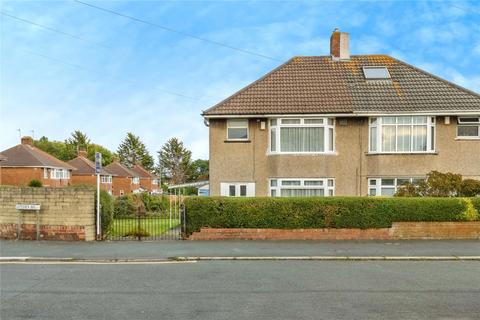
column 204, row 190
column 148, row 181
column 341, row 125
column 85, row 173
column 2, row 158
column 25, row 163
column 125, row 181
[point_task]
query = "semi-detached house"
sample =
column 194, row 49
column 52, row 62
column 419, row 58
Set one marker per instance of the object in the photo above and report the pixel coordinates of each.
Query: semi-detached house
column 24, row 163
column 341, row 125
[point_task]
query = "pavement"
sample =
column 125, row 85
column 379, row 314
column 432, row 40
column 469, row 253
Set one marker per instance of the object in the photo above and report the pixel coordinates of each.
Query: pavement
column 166, row 249
column 243, row 290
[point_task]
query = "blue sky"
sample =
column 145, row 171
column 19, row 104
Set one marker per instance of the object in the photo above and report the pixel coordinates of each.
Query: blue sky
column 111, row 75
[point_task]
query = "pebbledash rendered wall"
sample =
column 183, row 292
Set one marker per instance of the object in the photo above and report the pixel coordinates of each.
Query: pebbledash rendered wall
column 65, row 214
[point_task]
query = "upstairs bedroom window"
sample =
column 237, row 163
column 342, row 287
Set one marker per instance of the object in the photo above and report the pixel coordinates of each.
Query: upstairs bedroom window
column 302, row 135
column 468, row 128
column 237, row 129
column 411, row 134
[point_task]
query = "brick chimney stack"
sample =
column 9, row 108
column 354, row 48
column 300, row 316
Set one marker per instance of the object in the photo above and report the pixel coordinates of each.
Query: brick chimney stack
column 82, row 152
column 339, row 45
column 27, row 141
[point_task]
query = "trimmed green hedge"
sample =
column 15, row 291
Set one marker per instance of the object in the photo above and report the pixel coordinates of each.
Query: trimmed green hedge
column 328, row 212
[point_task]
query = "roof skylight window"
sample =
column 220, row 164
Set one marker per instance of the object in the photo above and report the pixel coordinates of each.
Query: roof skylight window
column 376, row 73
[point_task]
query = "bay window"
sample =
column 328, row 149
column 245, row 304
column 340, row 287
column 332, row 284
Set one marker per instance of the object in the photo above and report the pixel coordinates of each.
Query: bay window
column 468, row 127
column 58, row 174
column 293, row 187
column 301, row 135
column 388, row 186
column 405, row 134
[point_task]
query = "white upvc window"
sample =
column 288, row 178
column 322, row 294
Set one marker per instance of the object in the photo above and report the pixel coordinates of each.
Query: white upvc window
column 155, row 182
column 237, row 129
column 305, row 187
column 403, row 134
column 136, row 180
column 237, row 189
column 106, row 179
column 58, row 174
column 388, row 186
column 301, row 135
column 468, row 127
column 45, row 173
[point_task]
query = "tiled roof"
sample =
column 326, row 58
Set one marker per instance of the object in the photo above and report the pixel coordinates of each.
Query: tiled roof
column 24, row 155
column 120, row 170
column 142, row 172
column 85, row 166
column 319, row 85
column 2, row 157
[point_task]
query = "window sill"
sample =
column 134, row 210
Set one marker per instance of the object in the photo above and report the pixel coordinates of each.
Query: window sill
column 401, row 153
column 302, row 154
column 467, row 138
column 237, row 141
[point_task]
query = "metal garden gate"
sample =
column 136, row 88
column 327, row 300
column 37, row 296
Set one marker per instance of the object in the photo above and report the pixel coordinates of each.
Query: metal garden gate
column 166, row 225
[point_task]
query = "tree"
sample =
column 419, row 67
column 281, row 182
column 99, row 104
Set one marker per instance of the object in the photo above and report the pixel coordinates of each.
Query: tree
column 57, row 149
column 107, row 155
column 175, row 162
column 199, row 170
column 132, row 151
column 78, row 140
column 68, row 149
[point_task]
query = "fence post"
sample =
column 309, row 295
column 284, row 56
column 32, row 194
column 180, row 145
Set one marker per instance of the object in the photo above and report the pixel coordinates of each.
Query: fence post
column 138, row 228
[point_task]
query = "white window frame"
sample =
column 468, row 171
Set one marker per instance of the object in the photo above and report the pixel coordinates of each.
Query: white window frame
column 329, row 129
column 106, row 179
column 155, row 182
column 377, row 186
column 464, row 123
column 431, row 134
column 249, row 189
column 59, row 174
column 45, row 173
column 328, row 185
column 136, row 180
column 230, row 125
column 389, row 77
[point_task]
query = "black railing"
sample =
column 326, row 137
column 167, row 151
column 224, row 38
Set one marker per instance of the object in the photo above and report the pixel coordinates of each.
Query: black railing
column 162, row 226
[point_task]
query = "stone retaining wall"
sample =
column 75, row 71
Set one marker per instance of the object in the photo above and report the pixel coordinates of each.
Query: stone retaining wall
column 65, row 214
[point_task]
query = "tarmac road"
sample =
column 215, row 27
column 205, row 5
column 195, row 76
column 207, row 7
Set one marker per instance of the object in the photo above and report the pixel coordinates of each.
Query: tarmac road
column 243, row 290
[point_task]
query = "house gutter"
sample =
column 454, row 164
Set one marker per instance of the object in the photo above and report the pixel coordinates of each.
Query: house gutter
column 346, row 115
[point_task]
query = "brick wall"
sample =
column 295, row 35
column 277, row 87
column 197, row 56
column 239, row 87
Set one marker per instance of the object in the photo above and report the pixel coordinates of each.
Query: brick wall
column 121, row 183
column 66, row 213
column 398, row 231
column 90, row 180
column 22, row 177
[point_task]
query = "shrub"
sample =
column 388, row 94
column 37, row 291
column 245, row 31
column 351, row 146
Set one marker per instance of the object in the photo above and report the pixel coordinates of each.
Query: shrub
column 35, row 183
column 124, row 207
column 129, row 206
column 154, row 203
column 316, row 212
column 470, row 188
column 106, row 211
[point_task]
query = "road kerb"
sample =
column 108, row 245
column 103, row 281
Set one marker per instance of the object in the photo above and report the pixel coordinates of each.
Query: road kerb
column 328, row 258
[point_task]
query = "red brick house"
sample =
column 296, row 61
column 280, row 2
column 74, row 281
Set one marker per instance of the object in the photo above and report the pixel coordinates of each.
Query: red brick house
column 2, row 158
column 85, row 173
column 125, row 181
column 148, row 181
column 24, row 163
